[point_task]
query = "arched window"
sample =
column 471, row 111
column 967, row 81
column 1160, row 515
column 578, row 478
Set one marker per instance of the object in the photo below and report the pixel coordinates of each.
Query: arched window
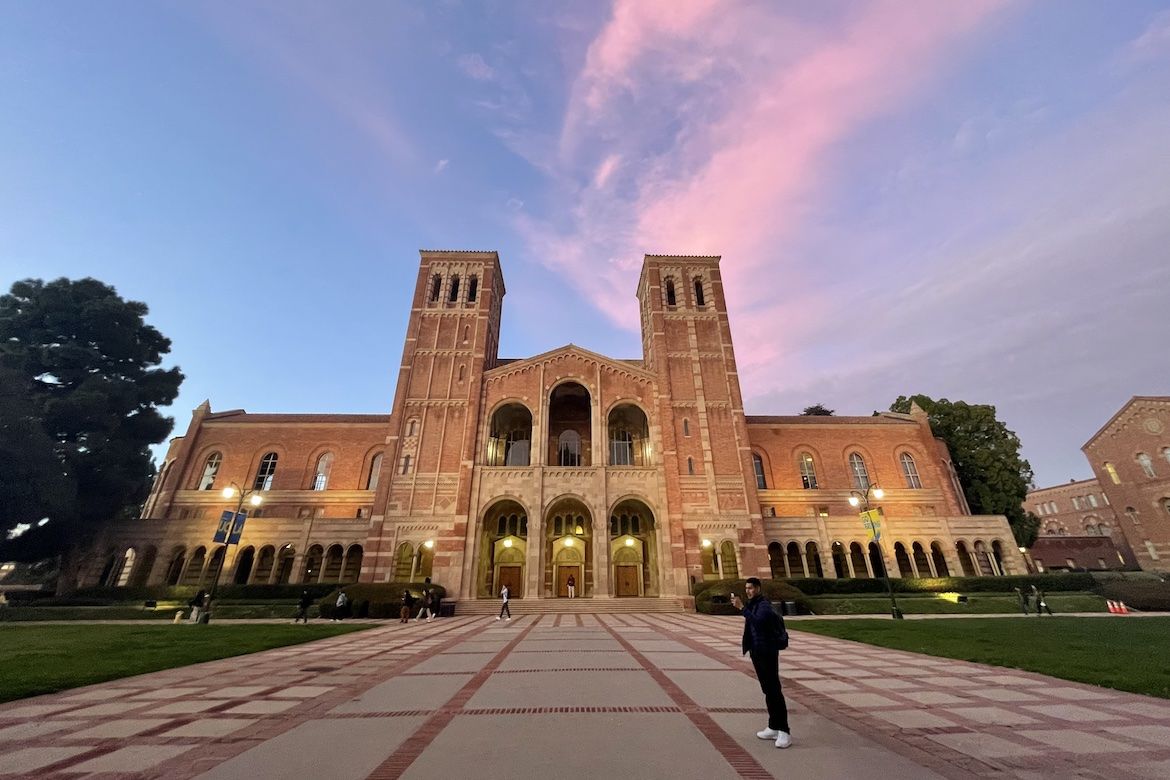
column 411, row 426
column 1166, row 454
column 436, row 287
column 472, row 288
column 210, row 469
column 671, row 299
column 690, row 465
column 461, row 370
column 1147, row 464
column 686, row 427
column 454, row 294
column 910, row 471
column 321, row 475
column 808, row 471
column 621, row 448
column 375, row 471
column 1112, row 472
column 266, row 473
column 405, row 464
column 1092, row 500
column 859, row 472
column 569, row 448
column 758, row 468
column 699, row 300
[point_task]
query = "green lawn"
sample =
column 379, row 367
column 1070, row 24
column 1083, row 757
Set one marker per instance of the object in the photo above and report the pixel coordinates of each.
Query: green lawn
column 44, row 659
column 931, row 604
column 1122, row 653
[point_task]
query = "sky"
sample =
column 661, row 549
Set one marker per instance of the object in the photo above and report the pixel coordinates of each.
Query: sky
column 968, row 200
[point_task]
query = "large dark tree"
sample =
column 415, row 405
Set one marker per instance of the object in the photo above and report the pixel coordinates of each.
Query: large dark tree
column 987, row 459
column 818, row 410
column 79, row 411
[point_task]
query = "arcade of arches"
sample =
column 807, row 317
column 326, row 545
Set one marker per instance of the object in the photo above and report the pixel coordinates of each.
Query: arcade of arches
column 866, row 559
column 619, row 558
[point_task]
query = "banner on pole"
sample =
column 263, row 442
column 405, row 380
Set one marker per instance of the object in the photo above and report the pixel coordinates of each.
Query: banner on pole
column 224, row 527
column 237, row 528
column 871, row 519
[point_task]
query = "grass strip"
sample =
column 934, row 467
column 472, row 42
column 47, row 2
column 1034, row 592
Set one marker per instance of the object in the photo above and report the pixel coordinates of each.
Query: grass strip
column 45, row 659
column 1112, row 652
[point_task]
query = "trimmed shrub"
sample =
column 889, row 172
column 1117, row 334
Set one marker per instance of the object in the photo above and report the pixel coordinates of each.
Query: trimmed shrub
column 1151, row 595
column 379, row 600
column 184, row 593
column 1055, row 583
column 715, row 599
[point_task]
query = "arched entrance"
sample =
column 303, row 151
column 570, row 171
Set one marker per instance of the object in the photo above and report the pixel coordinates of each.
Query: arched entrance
column 568, row 538
column 633, row 550
column 503, row 549
column 244, row 560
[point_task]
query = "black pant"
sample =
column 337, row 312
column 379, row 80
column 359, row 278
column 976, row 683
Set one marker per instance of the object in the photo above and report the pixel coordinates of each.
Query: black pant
column 767, row 666
column 505, row 608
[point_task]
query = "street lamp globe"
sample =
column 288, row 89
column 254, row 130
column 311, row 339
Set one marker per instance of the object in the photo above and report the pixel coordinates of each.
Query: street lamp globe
column 854, row 501
column 878, row 492
column 229, row 492
column 256, row 499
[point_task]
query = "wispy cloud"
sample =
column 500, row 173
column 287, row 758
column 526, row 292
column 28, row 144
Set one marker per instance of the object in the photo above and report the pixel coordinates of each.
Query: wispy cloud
column 474, row 66
column 441, row 165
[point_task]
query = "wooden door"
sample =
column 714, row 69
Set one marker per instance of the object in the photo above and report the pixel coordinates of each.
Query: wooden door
column 626, row 580
column 512, row 576
column 563, row 574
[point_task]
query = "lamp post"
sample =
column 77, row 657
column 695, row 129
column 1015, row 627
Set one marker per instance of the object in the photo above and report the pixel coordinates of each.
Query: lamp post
column 858, row 498
column 253, row 498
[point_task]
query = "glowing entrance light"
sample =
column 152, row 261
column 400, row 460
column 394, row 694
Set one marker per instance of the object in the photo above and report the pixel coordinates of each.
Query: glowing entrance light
column 569, row 542
column 507, row 542
column 429, row 544
column 706, row 542
column 629, row 542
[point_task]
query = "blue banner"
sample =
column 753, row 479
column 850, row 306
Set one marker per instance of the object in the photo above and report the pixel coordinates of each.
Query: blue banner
column 237, row 528
column 224, row 527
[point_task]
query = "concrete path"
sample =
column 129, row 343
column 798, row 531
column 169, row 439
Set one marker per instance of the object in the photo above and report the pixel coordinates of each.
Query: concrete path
column 581, row 696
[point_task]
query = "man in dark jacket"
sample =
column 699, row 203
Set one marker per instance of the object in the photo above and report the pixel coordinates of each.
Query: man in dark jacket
column 764, row 636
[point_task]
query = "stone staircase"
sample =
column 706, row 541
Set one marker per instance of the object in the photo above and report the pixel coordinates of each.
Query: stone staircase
column 669, row 604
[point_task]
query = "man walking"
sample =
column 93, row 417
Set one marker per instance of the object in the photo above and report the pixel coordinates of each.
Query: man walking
column 303, row 607
column 1041, row 602
column 504, row 606
column 1023, row 598
column 426, row 606
column 764, row 636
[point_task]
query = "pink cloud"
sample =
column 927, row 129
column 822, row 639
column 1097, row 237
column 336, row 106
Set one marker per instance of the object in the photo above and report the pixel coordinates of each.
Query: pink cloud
column 759, row 103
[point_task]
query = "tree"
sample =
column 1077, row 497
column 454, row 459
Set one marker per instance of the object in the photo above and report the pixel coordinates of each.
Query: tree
column 987, row 459
column 82, row 391
column 817, row 410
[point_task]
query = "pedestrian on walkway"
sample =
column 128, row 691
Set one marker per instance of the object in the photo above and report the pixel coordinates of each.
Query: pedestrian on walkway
column 764, row 636
column 196, row 604
column 303, row 607
column 407, row 605
column 426, row 606
column 572, row 583
column 436, row 600
column 1023, row 598
column 341, row 609
column 504, row 606
column 1041, row 603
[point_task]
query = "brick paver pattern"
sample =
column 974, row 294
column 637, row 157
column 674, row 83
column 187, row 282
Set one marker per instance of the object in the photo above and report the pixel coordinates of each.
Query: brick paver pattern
column 581, row 695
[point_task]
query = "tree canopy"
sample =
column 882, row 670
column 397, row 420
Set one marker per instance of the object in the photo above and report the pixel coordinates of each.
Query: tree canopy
column 79, row 368
column 818, row 410
column 986, row 456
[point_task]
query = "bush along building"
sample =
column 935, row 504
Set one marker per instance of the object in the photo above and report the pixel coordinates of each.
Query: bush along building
column 635, row 477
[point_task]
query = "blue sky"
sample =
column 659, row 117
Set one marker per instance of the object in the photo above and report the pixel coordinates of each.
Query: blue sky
column 967, row 200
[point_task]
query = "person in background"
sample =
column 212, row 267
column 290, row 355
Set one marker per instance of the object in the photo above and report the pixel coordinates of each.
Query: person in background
column 303, row 605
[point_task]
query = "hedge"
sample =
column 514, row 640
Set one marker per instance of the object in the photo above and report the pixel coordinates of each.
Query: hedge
column 376, row 599
column 1056, row 583
column 710, row 600
column 1151, row 595
column 184, row 593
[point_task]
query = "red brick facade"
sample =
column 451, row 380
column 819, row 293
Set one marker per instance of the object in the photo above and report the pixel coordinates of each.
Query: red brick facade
column 635, row 477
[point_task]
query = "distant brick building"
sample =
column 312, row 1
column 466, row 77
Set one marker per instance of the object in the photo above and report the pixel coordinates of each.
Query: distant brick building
column 1131, row 457
column 1078, row 528
column 637, row 477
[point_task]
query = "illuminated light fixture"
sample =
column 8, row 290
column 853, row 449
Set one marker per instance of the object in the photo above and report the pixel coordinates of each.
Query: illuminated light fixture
column 580, row 530
column 229, row 492
column 854, row 501
column 954, row 598
column 629, row 542
column 256, row 499
column 569, row 542
column 878, row 492
column 507, row 542
column 706, row 542
column 429, row 543
column 1023, row 549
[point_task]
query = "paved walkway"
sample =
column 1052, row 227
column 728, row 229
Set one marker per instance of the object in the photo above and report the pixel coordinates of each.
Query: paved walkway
column 581, row 696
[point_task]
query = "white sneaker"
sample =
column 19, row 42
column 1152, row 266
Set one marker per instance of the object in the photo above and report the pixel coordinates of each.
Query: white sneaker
column 508, row 620
column 497, row 617
column 768, row 734
column 783, row 740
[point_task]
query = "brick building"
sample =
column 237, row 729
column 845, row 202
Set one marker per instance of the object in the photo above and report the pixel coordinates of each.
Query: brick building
column 1131, row 457
column 637, row 477
column 1078, row 528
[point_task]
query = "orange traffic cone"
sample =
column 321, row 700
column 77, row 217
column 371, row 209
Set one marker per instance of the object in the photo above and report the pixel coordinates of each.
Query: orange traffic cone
column 1112, row 605
column 1122, row 609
